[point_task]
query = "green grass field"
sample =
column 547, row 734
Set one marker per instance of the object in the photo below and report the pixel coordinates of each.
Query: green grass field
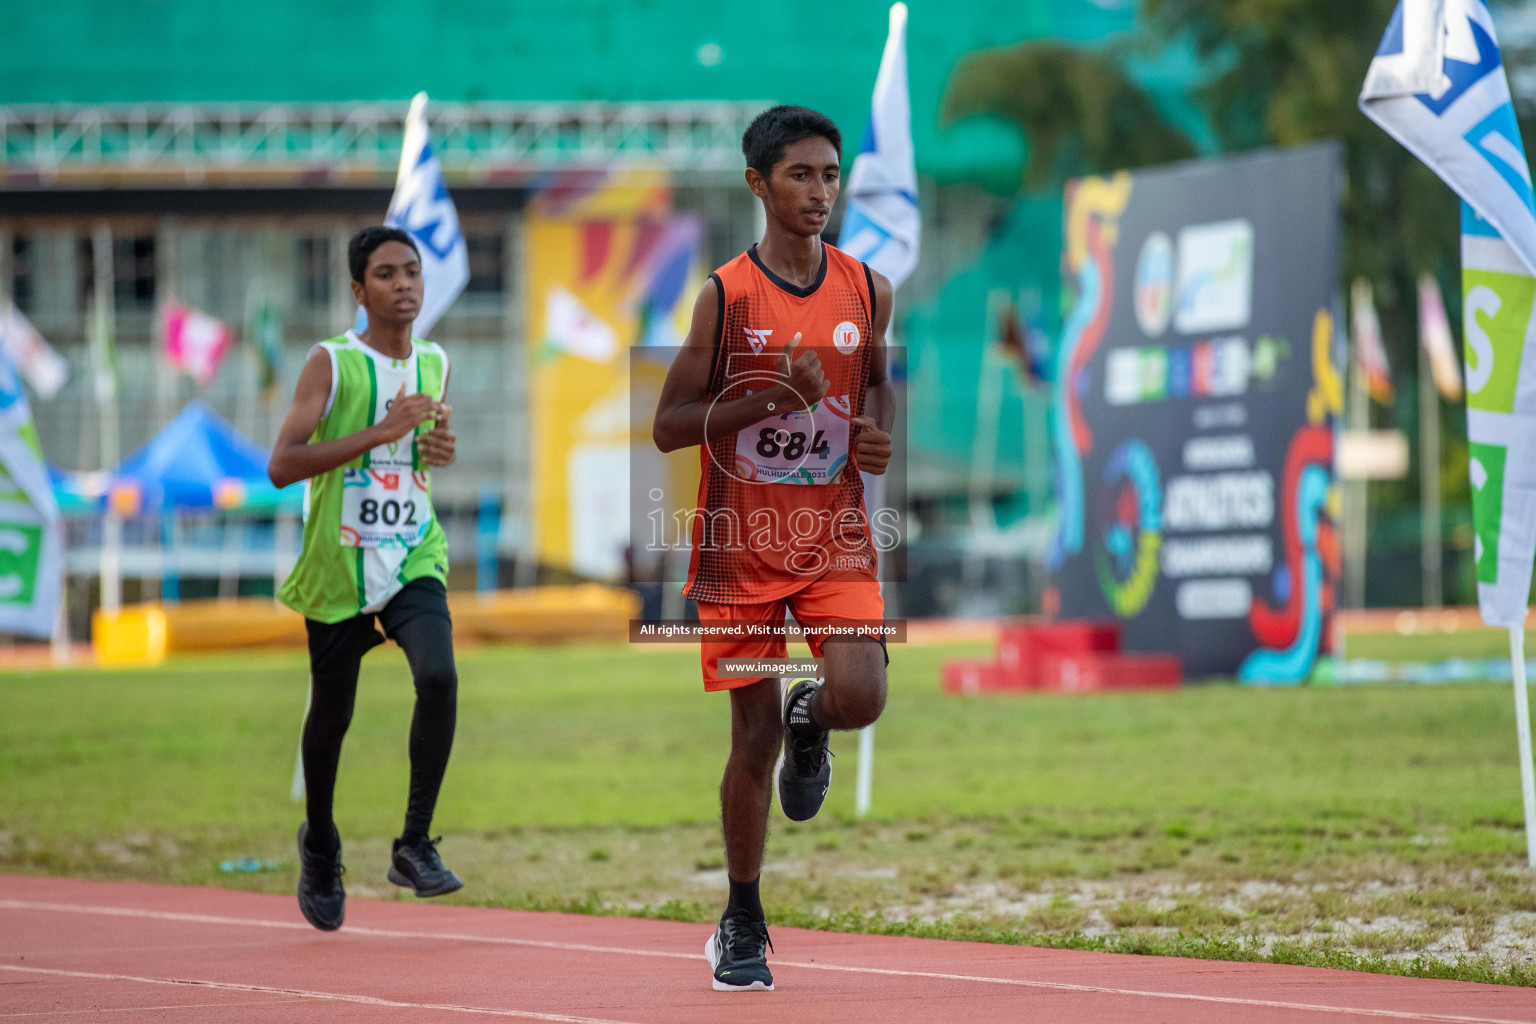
column 1432, row 646
column 1368, row 827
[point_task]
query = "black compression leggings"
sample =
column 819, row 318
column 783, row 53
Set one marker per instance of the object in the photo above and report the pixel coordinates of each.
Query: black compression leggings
column 416, row 619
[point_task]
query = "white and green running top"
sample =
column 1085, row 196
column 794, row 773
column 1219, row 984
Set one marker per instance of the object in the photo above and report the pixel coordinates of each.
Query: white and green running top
column 368, row 524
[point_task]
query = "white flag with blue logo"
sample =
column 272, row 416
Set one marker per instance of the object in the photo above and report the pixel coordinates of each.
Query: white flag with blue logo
column 422, row 208
column 1438, row 86
column 881, row 225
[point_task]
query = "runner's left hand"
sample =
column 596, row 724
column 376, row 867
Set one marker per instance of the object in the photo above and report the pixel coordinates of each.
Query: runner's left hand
column 437, row 444
column 871, row 446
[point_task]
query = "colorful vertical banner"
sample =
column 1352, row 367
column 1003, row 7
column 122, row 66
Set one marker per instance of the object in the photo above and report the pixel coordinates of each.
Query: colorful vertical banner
column 31, row 547
column 1370, row 351
column 1437, row 85
column 193, row 341
column 1497, row 295
column 616, row 269
column 881, row 225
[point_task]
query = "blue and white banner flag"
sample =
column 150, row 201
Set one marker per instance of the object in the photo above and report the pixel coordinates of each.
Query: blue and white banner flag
column 881, row 226
column 31, row 545
column 1437, row 85
column 422, row 207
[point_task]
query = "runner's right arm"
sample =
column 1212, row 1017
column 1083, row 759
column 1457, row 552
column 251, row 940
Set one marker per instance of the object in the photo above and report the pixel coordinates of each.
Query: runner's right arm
column 682, row 414
column 294, row 458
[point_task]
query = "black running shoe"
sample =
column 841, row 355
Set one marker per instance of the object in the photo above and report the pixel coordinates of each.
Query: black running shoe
column 805, row 768
column 738, row 954
column 322, row 899
column 417, row 866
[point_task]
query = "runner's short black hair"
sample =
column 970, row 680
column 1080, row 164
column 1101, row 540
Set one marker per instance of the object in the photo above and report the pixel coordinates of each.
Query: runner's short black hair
column 365, row 241
column 765, row 138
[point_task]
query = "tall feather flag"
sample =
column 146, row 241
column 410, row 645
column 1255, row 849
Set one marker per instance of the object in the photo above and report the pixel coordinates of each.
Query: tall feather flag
column 1437, row 85
column 1435, row 336
column 423, row 209
column 1370, row 353
column 31, row 545
column 881, row 225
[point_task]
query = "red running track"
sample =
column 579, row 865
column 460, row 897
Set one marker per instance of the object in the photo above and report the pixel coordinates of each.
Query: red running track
column 69, row 949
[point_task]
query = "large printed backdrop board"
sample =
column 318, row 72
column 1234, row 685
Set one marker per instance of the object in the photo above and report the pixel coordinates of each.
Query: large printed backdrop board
column 609, row 268
column 1197, row 390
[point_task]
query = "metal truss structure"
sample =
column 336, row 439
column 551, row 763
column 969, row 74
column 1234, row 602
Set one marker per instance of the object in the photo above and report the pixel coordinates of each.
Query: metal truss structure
column 200, row 143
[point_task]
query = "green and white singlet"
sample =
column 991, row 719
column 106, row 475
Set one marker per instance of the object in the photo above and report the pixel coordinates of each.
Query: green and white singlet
column 369, row 528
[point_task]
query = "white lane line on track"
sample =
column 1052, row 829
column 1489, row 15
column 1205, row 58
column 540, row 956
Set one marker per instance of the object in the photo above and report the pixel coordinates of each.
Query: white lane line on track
column 575, row 947
column 145, row 1009
column 335, row 997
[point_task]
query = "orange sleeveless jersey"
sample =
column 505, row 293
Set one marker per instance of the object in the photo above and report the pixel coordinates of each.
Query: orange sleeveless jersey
column 780, row 505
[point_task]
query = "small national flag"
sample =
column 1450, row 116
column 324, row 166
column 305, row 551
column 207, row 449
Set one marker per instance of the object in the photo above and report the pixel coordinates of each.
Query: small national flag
column 267, row 332
column 1370, row 354
column 1010, row 335
column 1435, row 336
column 1025, row 342
column 34, row 358
column 882, row 226
column 192, row 341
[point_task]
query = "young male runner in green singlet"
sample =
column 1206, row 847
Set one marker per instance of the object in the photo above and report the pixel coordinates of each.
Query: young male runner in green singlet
column 367, row 426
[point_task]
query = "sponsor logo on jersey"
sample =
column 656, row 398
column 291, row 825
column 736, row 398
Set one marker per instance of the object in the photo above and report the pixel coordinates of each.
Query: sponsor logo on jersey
column 757, row 339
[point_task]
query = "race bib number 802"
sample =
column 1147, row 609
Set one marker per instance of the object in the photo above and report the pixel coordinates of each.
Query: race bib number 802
column 384, row 507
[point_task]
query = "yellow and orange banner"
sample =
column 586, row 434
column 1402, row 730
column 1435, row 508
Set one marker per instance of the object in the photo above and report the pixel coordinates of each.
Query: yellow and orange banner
column 609, row 270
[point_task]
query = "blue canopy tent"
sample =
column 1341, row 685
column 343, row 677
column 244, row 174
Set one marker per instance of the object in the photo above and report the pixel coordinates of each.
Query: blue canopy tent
column 198, row 461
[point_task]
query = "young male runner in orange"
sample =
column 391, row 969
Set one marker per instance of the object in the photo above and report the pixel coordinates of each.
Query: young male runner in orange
column 782, row 384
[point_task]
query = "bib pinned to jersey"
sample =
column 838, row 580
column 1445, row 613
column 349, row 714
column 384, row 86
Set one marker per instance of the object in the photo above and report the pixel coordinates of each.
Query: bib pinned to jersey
column 804, row 447
column 384, row 506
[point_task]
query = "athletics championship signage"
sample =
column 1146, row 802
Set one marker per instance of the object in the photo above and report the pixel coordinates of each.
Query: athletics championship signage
column 1196, row 393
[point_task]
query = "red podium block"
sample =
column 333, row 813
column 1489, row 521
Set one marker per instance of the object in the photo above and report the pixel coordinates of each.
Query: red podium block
column 1086, row 673
column 1149, row 672
column 971, row 675
column 1021, row 647
column 1017, row 659
column 1077, row 636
